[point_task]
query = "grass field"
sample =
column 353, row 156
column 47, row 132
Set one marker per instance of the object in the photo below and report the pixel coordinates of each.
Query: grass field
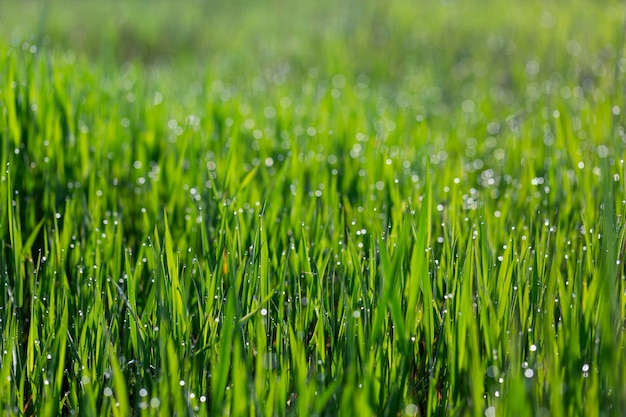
column 389, row 208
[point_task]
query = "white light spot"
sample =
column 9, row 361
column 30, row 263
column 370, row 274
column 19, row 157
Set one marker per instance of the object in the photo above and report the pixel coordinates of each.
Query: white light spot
column 410, row 410
column 603, row 151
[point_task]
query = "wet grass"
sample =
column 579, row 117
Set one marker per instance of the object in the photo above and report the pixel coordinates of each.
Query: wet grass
column 313, row 210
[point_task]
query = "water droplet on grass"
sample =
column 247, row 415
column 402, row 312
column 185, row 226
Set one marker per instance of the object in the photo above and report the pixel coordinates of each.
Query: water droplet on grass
column 411, row 410
column 603, row 151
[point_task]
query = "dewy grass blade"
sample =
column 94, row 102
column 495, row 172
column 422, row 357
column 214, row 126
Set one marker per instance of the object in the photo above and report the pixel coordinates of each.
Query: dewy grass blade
column 120, row 389
column 179, row 313
column 15, row 240
column 220, row 369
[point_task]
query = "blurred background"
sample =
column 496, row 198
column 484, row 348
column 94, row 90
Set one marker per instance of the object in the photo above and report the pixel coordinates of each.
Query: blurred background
column 387, row 40
column 431, row 57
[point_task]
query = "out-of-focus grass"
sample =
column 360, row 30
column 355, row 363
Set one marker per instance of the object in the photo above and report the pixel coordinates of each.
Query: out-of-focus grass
column 383, row 39
column 271, row 208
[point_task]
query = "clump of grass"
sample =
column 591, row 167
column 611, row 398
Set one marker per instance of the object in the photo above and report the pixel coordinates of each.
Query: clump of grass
column 439, row 232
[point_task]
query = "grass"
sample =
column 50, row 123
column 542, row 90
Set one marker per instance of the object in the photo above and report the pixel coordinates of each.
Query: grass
column 312, row 209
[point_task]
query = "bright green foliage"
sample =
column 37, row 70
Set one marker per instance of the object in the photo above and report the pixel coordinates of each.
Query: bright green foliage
column 366, row 208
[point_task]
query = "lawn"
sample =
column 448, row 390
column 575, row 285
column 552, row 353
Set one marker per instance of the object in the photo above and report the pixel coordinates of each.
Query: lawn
column 394, row 208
